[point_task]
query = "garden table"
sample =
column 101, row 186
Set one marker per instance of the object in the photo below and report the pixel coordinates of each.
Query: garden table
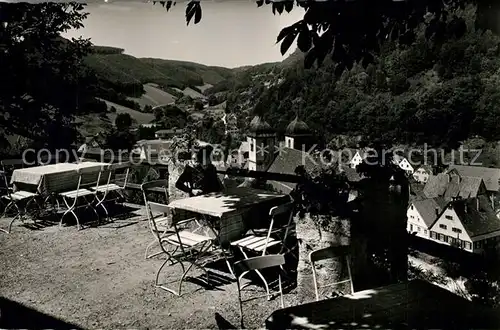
column 53, row 178
column 413, row 305
column 235, row 209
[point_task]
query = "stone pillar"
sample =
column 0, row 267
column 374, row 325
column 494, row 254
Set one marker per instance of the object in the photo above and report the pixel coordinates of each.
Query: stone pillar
column 382, row 227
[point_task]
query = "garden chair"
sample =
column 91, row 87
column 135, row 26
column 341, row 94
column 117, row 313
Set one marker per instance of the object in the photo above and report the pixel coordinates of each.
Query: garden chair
column 19, row 200
column 110, row 191
column 72, row 198
column 257, row 263
column 274, row 237
column 161, row 225
column 188, row 247
column 329, row 253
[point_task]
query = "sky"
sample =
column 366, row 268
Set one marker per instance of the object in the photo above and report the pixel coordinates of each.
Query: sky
column 231, row 33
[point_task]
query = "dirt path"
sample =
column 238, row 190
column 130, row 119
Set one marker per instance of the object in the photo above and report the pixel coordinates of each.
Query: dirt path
column 98, row 278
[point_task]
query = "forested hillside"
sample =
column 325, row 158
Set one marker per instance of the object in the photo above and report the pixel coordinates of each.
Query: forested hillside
column 423, row 93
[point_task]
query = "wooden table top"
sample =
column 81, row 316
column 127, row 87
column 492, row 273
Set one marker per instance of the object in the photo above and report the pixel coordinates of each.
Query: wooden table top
column 225, row 203
column 416, row 304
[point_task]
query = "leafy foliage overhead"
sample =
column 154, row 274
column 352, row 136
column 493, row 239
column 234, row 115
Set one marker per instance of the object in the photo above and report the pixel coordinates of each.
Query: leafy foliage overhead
column 46, row 83
column 352, row 31
column 422, row 93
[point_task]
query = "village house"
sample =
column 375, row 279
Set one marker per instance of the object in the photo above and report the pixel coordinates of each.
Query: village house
column 451, row 184
column 422, row 174
column 490, row 176
column 153, row 150
column 403, row 163
column 469, row 224
column 168, row 133
column 422, row 214
column 150, row 125
column 358, row 158
column 92, row 148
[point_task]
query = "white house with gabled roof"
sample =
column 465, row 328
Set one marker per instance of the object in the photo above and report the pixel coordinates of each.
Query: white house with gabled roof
column 421, row 214
column 470, row 224
column 403, row 163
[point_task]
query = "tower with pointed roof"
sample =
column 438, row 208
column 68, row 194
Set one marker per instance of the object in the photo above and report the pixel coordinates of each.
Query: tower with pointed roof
column 298, row 135
column 261, row 139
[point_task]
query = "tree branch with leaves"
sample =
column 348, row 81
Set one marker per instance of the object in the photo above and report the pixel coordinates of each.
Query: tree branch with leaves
column 353, row 31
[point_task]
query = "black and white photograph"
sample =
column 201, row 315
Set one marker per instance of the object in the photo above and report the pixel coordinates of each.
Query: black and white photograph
column 250, row 164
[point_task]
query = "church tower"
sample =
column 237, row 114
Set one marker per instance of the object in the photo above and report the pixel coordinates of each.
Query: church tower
column 261, row 139
column 298, row 135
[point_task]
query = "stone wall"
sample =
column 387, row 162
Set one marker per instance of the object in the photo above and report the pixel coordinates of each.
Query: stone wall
column 327, row 271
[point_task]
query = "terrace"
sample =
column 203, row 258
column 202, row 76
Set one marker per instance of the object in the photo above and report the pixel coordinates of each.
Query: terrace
column 98, row 278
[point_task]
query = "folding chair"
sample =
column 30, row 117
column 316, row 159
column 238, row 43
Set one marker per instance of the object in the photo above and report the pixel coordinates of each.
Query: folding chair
column 276, row 237
column 330, row 253
column 110, row 187
column 193, row 248
column 73, row 197
column 158, row 225
column 20, row 200
column 257, row 263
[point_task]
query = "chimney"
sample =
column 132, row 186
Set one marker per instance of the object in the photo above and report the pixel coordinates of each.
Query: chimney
column 465, row 206
column 437, row 211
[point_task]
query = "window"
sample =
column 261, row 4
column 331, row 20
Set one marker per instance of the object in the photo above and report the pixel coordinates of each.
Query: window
column 418, row 229
column 440, row 237
column 433, row 234
column 411, row 227
column 251, row 147
column 425, row 231
column 411, row 207
column 468, row 246
column 443, row 226
column 449, row 217
column 456, row 230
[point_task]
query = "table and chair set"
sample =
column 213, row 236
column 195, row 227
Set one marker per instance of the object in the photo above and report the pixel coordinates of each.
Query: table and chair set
column 27, row 191
column 251, row 230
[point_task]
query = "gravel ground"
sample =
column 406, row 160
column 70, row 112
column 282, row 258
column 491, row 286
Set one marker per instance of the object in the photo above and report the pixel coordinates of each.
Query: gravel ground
column 98, row 278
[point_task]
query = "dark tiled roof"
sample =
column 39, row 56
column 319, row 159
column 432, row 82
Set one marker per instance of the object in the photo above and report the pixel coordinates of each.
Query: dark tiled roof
column 490, row 176
column 476, row 222
column 416, row 191
column 286, row 162
column 427, row 209
column 448, row 186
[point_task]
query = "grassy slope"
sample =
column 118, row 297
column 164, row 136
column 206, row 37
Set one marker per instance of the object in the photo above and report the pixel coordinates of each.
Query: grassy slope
column 116, row 66
column 92, row 124
column 139, row 117
column 154, row 96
